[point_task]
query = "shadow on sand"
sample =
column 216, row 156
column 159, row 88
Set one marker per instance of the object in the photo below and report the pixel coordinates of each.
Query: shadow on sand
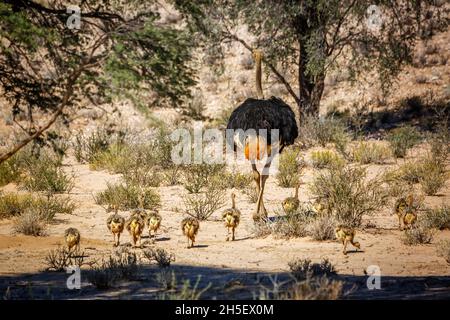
column 223, row 283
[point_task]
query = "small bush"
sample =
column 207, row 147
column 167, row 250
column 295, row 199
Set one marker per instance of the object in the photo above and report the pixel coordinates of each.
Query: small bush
column 61, row 258
column 402, row 139
column 325, row 159
column 127, row 196
column 45, row 174
column 410, row 172
column 418, row 234
column 122, row 264
column 316, row 288
column 290, row 226
column 197, row 176
column 438, row 218
column 261, row 229
column 102, row 277
column 160, row 256
column 324, row 130
column 322, row 228
column 9, row 171
column 87, row 147
column 30, row 223
column 432, row 177
column 303, row 269
column 202, row 205
column 370, row 152
column 13, row 204
column 115, row 158
column 311, row 288
column 289, row 169
column 347, row 193
column 443, row 250
column 236, row 180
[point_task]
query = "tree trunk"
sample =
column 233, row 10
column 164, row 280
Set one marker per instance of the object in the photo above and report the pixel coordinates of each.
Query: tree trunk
column 310, row 86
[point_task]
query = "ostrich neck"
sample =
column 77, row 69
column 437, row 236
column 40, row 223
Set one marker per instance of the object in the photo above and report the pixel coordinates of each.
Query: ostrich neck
column 259, row 90
column 296, row 192
column 233, row 204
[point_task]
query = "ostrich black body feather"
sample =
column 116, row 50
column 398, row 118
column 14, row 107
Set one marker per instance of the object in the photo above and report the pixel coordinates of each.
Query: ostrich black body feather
column 266, row 114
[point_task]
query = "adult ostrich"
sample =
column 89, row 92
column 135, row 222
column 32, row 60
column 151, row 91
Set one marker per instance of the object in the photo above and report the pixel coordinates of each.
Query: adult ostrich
column 261, row 116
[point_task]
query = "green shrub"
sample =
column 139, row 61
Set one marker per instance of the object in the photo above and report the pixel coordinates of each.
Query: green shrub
column 203, row 204
column 195, row 177
column 14, row 204
column 324, row 130
column 429, row 172
column 432, row 177
column 45, row 174
column 325, row 159
column 127, row 197
column 411, row 172
column 114, row 158
column 87, row 147
column 289, row 169
column 348, row 194
column 290, row 226
column 402, row 139
column 438, row 218
column 236, row 179
column 9, row 171
column 370, row 152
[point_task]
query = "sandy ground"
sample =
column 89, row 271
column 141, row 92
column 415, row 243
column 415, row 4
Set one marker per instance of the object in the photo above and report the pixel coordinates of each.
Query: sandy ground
column 243, row 264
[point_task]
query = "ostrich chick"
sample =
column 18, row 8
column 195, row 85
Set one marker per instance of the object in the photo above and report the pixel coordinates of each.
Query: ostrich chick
column 135, row 226
column 190, row 227
column 116, row 224
column 346, row 235
column 72, row 237
column 405, row 212
column 231, row 218
column 153, row 222
column 291, row 204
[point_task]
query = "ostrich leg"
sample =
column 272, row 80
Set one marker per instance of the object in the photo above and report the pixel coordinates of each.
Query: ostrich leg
column 260, row 210
column 257, row 178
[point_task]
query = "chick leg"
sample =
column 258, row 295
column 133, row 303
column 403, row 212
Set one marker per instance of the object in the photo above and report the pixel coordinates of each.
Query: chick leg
column 402, row 222
column 118, row 239
column 345, row 246
column 233, row 233
column 228, row 234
